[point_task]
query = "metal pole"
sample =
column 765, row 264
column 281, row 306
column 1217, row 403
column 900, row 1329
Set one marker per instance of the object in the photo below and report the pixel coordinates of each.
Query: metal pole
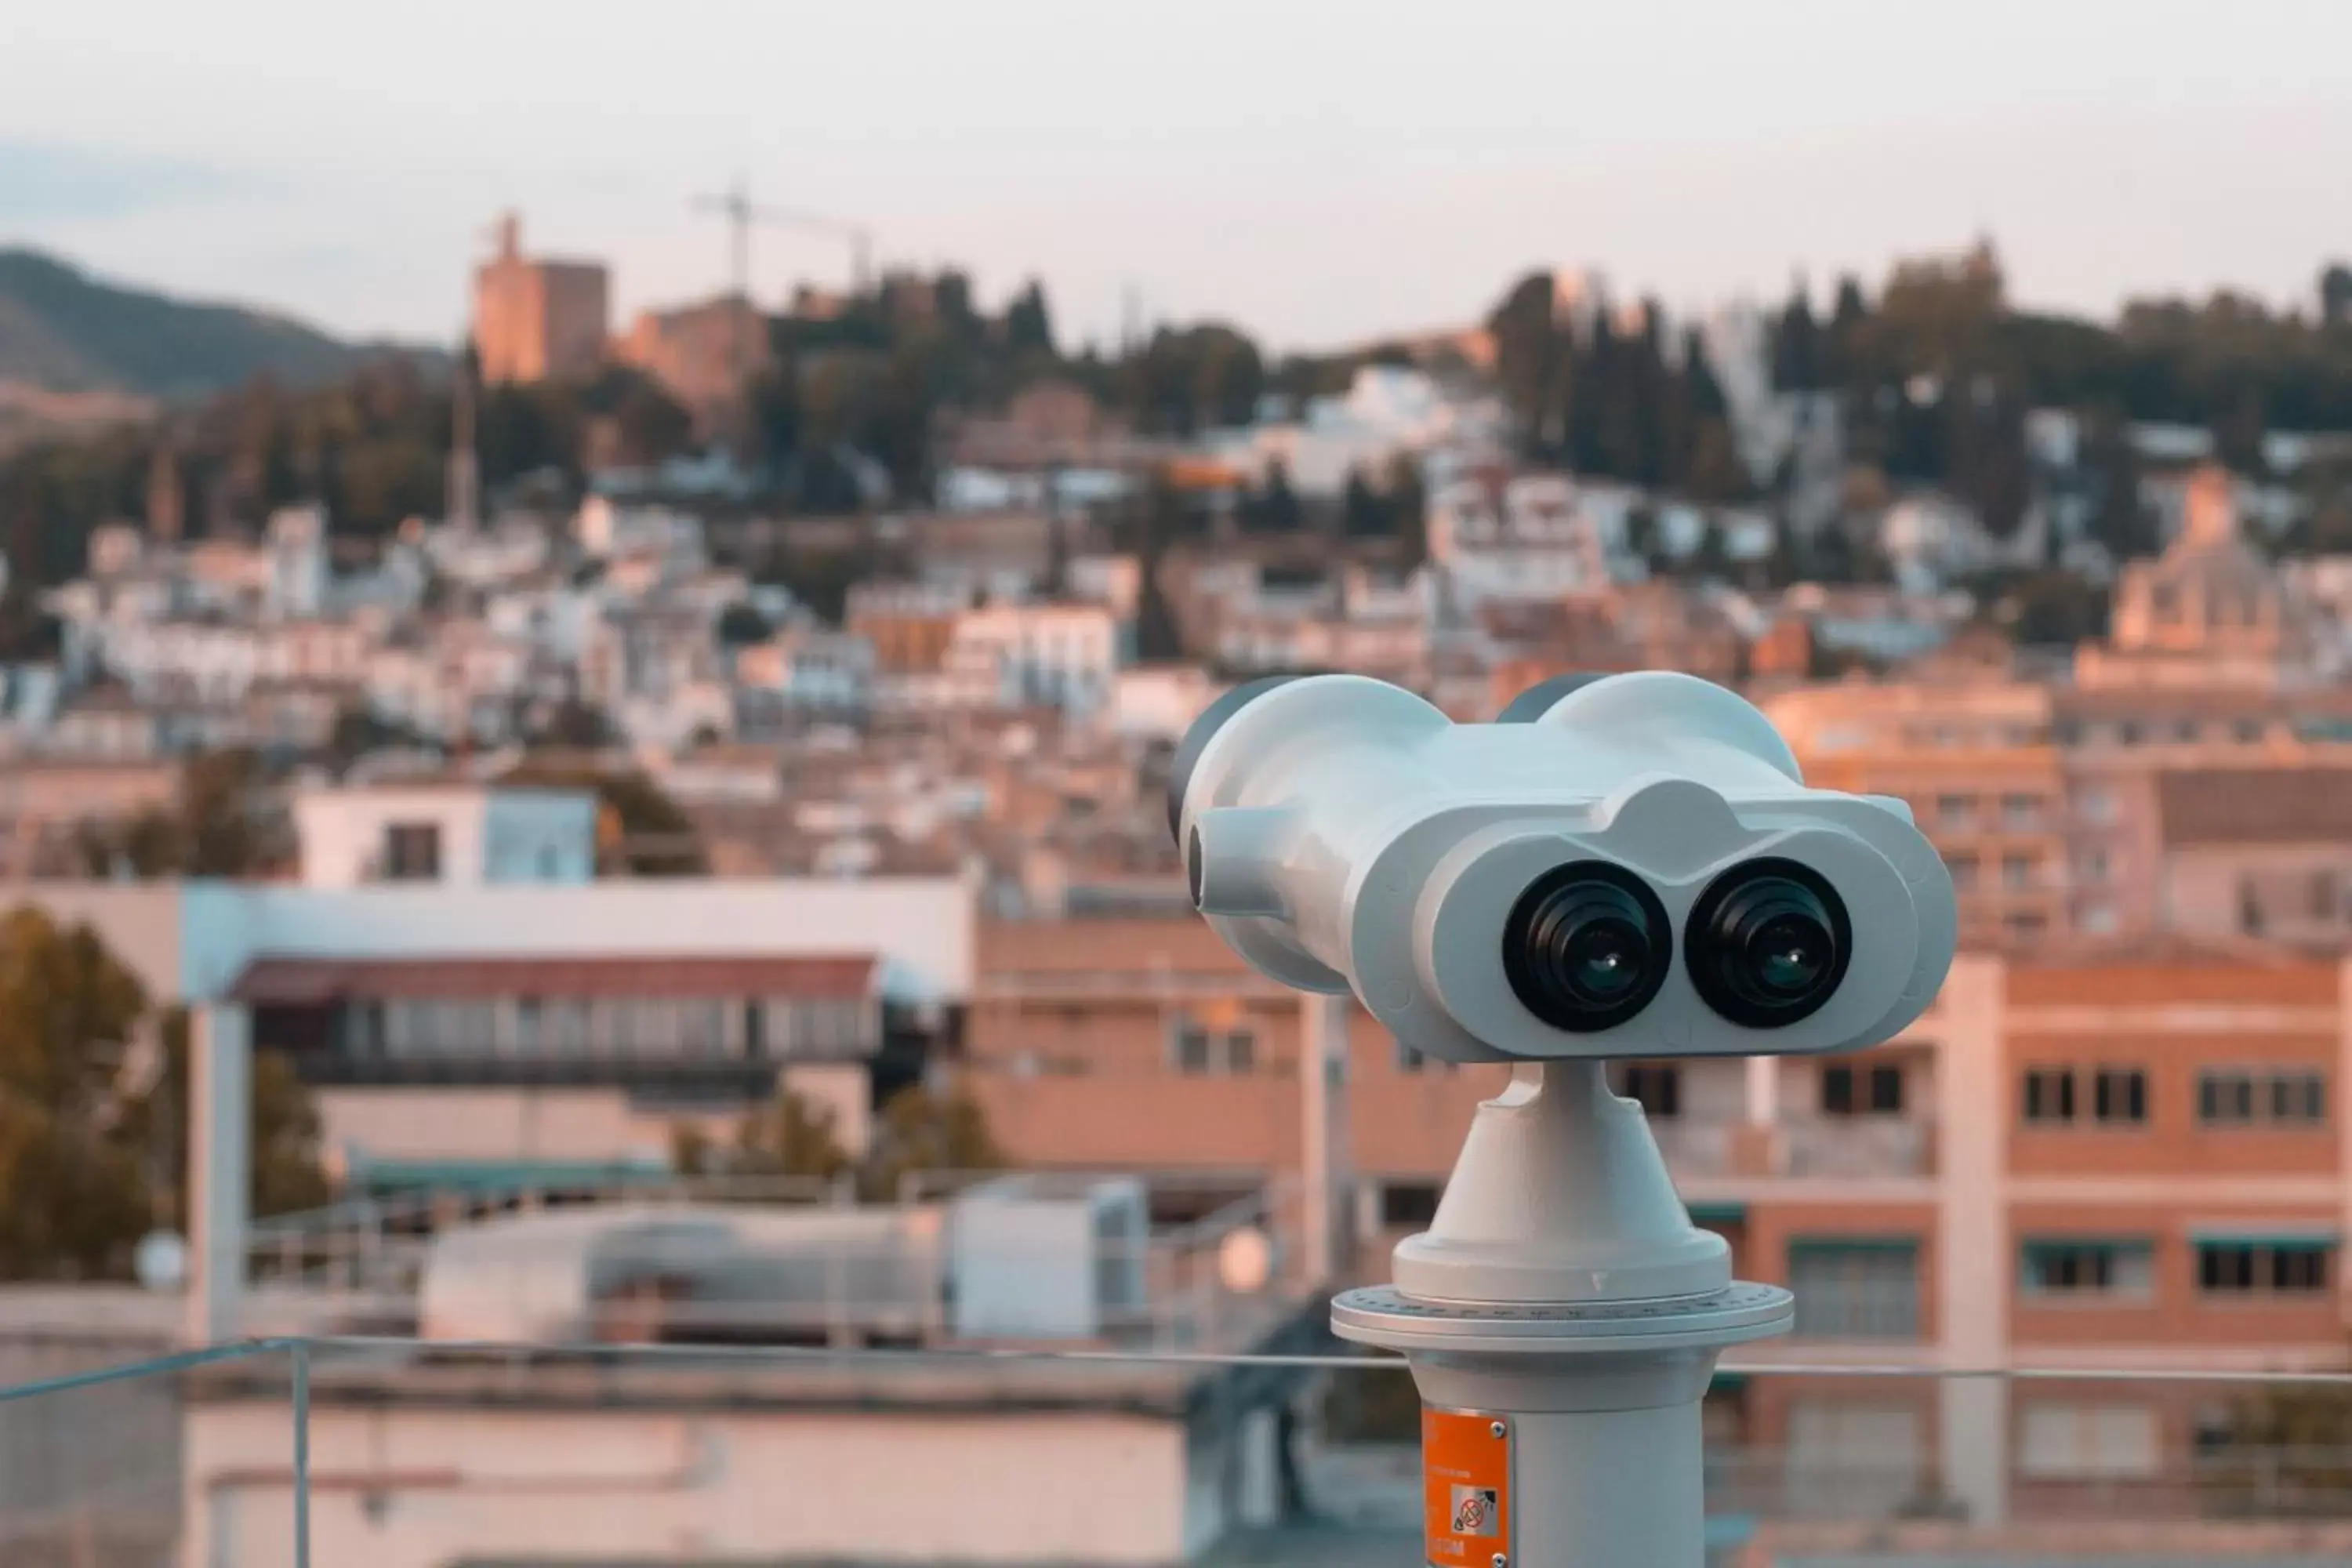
column 301, row 1455
column 1562, row 1318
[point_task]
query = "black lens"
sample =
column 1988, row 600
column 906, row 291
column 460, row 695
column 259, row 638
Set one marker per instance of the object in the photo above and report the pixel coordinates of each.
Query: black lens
column 1767, row 943
column 1587, row 946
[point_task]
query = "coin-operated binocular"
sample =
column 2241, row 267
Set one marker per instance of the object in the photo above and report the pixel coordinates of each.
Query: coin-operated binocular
column 1621, row 866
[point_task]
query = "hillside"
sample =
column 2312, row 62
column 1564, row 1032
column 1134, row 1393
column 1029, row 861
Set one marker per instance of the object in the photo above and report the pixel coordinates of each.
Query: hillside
column 64, row 331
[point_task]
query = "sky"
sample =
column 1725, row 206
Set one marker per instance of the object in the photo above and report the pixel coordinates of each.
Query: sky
column 1317, row 174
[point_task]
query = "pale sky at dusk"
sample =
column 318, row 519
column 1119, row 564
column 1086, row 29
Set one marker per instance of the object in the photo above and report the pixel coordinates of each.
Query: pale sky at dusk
column 1314, row 172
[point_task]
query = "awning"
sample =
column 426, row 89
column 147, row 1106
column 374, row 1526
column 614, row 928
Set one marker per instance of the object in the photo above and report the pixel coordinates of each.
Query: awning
column 315, row 981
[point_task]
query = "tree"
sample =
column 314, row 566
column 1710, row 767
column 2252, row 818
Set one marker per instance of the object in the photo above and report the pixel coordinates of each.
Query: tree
column 788, row 1136
column 2293, row 1442
column 86, row 1163
column 68, row 1011
column 222, row 823
column 285, row 1173
column 1531, row 365
column 1274, row 507
column 1028, row 324
column 2335, row 294
column 2120, row 520
column 925, row 1128
column 1363, row 512
column 1797, row 348
column 1409, row 509
column 740, row 625
column 1159, row 517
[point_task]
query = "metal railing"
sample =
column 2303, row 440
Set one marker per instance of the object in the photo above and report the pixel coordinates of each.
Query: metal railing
column 278, row 1453
column 791, row 1259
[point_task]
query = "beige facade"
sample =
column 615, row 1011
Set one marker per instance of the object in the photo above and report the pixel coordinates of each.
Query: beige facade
column 2118, row 1165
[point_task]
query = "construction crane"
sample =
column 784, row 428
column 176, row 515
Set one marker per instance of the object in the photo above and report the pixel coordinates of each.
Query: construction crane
column 741, row 212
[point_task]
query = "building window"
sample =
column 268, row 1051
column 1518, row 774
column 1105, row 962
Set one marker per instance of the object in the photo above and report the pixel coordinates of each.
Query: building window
column 1956, row 813
column 2298, row 1097
column 2092, row 864
column 1848, row 1090
column 2261, row 1267
column 2088, row 1442
column 1655, row 1087
column 1855, row 1290
column 2096, row 804
column 1408, row 1206
column 1963, row 869
column 412, row 852
column 1199, row 1051
column 2050, row 1094
column 2119, row 1096
column 2240, row 1096
column 2087, row 1268
column 2017, row 872
column 2225, row 1098
column 2100, row 920
column 2020, row 812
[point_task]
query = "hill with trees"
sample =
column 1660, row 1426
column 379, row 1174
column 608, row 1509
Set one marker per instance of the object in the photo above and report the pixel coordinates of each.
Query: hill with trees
column 63, row 330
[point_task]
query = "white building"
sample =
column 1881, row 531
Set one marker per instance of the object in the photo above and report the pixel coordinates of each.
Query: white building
column 1025, row 656
column 1387, row 411
column 451, row 835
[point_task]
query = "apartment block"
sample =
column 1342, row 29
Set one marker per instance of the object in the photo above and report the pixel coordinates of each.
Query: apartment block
column 2113, row 1165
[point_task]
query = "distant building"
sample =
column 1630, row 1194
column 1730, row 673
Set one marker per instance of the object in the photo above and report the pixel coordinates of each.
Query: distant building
column 538, row 320
column 703, row 355
column 2210, row 612
column 1976, row 764
column 450, row 835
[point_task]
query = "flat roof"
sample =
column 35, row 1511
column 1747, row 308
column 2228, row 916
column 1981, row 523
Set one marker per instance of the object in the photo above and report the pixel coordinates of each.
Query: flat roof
column 309, row 982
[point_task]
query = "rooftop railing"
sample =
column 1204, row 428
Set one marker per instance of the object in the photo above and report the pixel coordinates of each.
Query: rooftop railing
column 389, row 1452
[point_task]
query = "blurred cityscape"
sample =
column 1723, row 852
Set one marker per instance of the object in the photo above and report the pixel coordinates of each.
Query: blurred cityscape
column 672, row 815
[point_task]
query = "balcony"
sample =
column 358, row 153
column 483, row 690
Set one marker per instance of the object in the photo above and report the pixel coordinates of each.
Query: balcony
column 1856, row 1148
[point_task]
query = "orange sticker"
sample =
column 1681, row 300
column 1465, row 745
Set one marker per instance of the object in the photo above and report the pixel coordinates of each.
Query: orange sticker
column 1466, row 1474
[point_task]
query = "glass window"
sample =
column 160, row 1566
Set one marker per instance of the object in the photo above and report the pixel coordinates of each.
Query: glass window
column 2298, row 1096
column 2020, row 812
column 2018, row 872
column 2225, row 1097
column 1956, row 813
column 1408, row 1206
column 412, row 852
column 2248, row 1268
column 1241, row 1051
column 1963, row 869
column 2050, row 1094
column 1855, row 1290
column 2087, row 1267
column 1850, row 1090
column 2119, row 1095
